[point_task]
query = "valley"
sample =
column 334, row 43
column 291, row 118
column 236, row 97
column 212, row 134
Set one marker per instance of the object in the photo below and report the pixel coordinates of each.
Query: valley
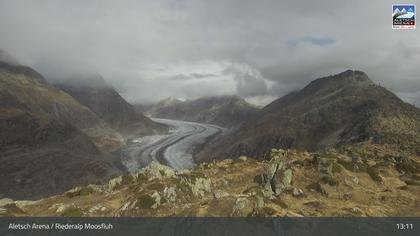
column 340, row 146
column 174, row 149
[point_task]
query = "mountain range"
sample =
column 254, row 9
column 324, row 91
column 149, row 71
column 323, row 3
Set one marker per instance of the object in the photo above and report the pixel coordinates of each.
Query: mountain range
column 50, row 142
column 322, row 148
column 329, row 112
column 225, row 111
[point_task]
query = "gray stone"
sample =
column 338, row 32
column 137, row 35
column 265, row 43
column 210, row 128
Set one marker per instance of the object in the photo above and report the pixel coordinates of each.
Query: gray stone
column 259, row 203
column 169, row 194
column 23, row 204
column 59, row 207
column 97, row 208
column 5, row 202
column 218, row 194
column 282, row 180
column 276, row 176
column 240, row 207
column 276, row 155
column 201, row 187
column 114, row 183
column 156, row 196
column 243, row 158
column 297, row 192
column 155, row 170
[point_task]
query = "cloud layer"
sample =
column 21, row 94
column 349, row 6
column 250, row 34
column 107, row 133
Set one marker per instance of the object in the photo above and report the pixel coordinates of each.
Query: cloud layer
column 191, row 48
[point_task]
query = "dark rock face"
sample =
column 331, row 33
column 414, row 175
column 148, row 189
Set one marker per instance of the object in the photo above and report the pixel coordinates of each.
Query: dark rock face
column 225, row 111
column 332, row 111
column 94, row 93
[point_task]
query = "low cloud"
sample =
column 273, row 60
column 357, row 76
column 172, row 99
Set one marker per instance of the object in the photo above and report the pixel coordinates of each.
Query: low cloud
column 319, row 41
column 191, row 76
column 150, row 50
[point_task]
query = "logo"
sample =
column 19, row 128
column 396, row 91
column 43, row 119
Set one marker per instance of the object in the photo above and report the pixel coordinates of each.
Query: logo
column 403, row 16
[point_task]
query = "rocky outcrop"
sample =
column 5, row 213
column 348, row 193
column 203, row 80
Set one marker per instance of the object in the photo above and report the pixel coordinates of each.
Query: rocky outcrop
column 277, row 176
column 249, row 187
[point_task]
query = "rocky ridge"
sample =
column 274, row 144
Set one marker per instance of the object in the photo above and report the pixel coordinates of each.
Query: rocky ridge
column 329, row 112
column 361, row 180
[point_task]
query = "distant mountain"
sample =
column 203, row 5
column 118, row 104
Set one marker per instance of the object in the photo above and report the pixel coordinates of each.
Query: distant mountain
column 102, row 99
column 333, row 111
column 225, row 111
column 49, row 142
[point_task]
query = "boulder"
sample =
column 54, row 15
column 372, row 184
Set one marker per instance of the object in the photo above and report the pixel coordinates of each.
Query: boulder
column 277, row 176
column 201, row 186
column 169, row 194
column 297, row 192
column 114, row 183
column 276, row 154
column 242, row 207
column 156, row 196
column 243, row 158
column 218, row 194
column 59, row 207
column 259, row 203
column 281, row 180
column 97, row 208
column 156, row 171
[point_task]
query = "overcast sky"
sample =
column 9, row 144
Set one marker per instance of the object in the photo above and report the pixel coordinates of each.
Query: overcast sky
column 260, row 50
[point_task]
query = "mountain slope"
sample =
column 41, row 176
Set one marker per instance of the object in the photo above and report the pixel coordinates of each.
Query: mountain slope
column 41, row 157
column 332, row 111
column 225, row 111
column 23, row 88
column 94, row 93
column 46, row 138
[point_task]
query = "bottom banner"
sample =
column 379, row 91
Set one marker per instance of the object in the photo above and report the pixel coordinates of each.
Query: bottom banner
column 210, row 226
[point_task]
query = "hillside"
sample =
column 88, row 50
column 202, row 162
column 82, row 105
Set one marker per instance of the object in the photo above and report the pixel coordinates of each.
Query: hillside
column 103, row 100
column 225, row 111
column 333, row 111
column 48, row 141
column 23, row 88
column 286, row 183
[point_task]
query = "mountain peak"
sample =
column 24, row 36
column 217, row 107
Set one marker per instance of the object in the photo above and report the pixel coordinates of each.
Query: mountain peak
column 170, row 101
column 9, row 63
column 352, row 78
column 85, row 81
